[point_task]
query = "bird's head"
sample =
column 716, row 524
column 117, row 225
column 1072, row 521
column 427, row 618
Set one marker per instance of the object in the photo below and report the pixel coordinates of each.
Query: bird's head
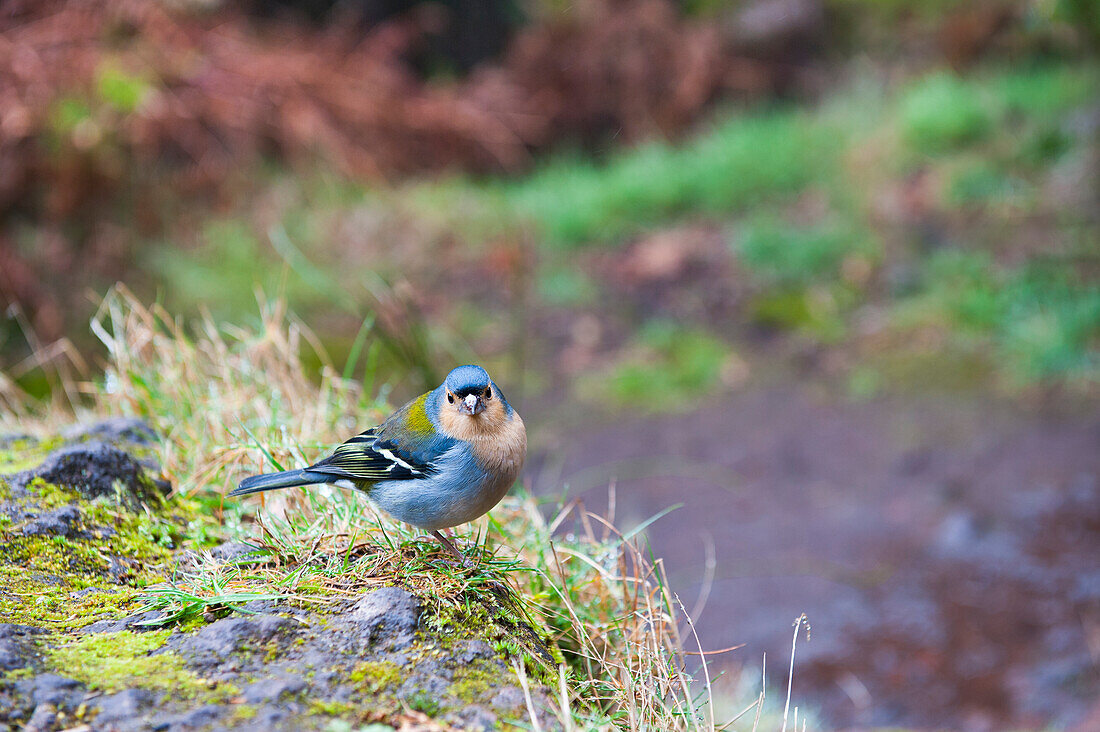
column 469, row 390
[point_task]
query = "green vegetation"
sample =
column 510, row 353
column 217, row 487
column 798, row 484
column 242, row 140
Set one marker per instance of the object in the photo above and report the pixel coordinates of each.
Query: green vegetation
column 566, row 614
column 782, row 254
column 911, row 226
column 422, row 701
column 830, row 213
column 683, row 364
column 811, row 274
column 732, row 166
column 375, row 676
column 1044, row 318
column 71, row 581
column 828, row 222
column 941, row 112
column 566, row 287
column 110, row 662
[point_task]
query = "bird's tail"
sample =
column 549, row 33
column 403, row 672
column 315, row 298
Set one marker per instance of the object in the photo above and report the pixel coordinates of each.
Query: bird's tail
column 285, row 479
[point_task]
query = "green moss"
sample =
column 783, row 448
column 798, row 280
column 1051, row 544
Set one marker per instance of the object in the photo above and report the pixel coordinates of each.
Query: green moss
column 376, row 676
column 50, row 495
column 687, row 362
column 422, row 701
column 272, row 651
column 18, row 674
column 499, row 618
column 112, row 551
column 41, row 574
column 23, row 454
column 332, row 708
column 476, row 682
column 111, row 662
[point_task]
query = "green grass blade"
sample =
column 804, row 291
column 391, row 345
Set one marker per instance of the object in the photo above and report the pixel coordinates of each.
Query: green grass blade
column 257, row 443
column 357, row 347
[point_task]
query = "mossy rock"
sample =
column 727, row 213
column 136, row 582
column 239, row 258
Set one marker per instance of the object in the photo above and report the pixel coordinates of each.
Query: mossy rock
column 86, row 525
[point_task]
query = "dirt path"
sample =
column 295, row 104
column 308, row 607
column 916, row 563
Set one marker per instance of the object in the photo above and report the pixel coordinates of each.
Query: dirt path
column 946, row 551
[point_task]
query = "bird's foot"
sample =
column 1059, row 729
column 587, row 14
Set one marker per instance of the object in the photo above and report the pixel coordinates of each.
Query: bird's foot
column 466, row 561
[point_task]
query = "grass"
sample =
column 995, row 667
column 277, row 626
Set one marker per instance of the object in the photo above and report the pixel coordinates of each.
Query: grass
column 1045, row 317
column 941, row 112
column 233, row 400
column 783, row 254
column 685, row 362
column 730, row 167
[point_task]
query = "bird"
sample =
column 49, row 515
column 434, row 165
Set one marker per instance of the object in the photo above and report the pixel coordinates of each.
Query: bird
column 445, row 458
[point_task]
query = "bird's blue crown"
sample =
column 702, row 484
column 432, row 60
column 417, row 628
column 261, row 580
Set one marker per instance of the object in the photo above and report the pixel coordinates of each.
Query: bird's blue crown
column 467, row 379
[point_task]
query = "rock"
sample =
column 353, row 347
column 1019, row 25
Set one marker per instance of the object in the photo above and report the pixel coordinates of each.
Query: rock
column 193, row 719
column 114, row 430
column 431, row 679
column 17, row 646
column 93, row 469
column 390, row 615
column 224, row 637
column 470, row 651
column 61, row 692
column 123, row 705
column 474, row 718
column 232, row 551
column 43, row 719
column 14, row 511
column 59, row 522
column 263, row 607
column 296, row 666
column 269, row 690
column 510, row 697
column 8, row 440
column 130, row 622
column 271, row 718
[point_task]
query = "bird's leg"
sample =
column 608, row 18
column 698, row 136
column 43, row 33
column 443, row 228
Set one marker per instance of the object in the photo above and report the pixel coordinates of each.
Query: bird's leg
column 450, row 546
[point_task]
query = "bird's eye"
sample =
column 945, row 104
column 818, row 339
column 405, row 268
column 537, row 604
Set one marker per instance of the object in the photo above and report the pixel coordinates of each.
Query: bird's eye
column 489, row 392
column 451, row 398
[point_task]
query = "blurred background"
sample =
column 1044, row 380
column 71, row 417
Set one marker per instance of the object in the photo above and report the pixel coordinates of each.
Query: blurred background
column 824, row 274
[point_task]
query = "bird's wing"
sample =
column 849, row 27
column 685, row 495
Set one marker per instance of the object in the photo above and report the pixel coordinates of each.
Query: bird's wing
column 366, row 458
column 400, row 449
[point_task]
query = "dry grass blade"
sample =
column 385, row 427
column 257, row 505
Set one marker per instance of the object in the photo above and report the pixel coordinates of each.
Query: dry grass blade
column 798, row 623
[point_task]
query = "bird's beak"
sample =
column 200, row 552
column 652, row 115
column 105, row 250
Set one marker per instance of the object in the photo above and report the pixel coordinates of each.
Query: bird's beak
column 472, row 404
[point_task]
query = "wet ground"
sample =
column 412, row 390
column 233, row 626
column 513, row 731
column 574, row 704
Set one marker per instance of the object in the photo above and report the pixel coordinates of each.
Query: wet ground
column 946, row 550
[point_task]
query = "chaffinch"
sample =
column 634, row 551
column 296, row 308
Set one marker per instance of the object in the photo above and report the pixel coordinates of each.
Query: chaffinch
column 443, row 459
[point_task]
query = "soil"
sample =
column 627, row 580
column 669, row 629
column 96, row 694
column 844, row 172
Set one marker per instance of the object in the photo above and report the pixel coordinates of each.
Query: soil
column 945, row 549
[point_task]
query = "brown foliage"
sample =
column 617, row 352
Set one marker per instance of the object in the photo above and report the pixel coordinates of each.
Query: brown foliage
column 218, row 90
